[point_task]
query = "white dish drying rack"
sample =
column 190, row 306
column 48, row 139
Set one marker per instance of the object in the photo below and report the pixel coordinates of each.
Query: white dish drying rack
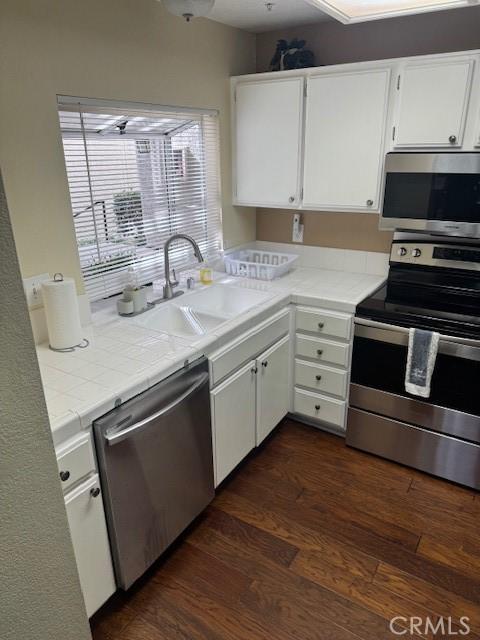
column 260, row 265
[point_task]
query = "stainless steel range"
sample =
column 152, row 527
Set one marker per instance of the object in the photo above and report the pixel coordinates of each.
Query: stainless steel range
column 433, row 286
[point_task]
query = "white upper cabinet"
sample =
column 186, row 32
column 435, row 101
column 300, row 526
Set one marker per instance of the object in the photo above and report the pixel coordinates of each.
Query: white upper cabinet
column 268, row 139
column 432, row 102
column 345, row 139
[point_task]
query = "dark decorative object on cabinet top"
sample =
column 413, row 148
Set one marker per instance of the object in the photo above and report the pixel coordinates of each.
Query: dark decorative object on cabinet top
column 292, row 55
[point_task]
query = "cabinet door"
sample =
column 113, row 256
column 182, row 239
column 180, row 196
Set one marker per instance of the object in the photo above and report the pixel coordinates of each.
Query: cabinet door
column 344, row 140
column 88, row 529
column 233, row 416
column 268, row 126
column 432, row 103
column 273, row 388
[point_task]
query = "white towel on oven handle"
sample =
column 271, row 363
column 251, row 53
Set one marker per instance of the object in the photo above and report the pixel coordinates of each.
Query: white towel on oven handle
column 422, row 354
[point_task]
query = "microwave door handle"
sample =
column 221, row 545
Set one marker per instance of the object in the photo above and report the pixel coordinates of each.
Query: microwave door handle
column 119, row 436
column 392, row 327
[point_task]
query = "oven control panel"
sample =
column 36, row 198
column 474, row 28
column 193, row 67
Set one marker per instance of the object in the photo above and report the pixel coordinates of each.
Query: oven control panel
column 451, row 256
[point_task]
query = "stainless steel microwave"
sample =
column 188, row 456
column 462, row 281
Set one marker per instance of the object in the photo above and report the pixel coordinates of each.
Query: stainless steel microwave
column 434, row 192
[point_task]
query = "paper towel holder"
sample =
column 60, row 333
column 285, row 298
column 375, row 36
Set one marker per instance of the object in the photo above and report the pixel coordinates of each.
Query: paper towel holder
column 58, row 277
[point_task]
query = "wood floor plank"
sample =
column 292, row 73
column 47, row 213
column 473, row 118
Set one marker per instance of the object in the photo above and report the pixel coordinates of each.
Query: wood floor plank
column 433, row 597
column 358, row 588
column 453, row 556
column 140, row 629
column 284, row 585
column 274, row 548
column 365, row 541
column 311, row 540
column 345, row 510
column 231, row 623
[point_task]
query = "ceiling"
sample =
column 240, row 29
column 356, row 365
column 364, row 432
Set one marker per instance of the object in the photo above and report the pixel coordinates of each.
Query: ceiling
column 253, row 15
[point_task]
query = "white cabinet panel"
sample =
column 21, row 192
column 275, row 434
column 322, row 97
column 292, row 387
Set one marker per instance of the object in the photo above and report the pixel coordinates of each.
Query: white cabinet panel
column 272, row 387
column 268, row 138
column 432, row 103
column 88, row 529
column 344, row 139
column 233, row 416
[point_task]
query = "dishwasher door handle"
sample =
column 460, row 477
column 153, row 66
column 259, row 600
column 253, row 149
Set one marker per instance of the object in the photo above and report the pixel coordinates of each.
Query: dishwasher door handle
column 119, row 436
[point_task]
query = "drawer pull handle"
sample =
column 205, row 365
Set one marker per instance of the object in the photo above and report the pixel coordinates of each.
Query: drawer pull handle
column 317, row 407
column 94, row 492
column 64, row 475
column 254, row 369
column 321, row 325
column 318, row 377
column 265, row 363
column 319, row 352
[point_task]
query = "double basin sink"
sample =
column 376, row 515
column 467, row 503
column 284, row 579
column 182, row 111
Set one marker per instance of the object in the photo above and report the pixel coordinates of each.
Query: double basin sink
column 201, row 312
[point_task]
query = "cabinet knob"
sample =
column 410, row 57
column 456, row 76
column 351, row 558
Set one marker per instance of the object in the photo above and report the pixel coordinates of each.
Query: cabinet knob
column 321, row 325
column 369, row 203
column 319, row 352
column 452, row 139
column 254, row 369
column 94, row 492
column 265, row 363
column 317, row 407
column 64, row 475
column 318, row 378
column 291, row 199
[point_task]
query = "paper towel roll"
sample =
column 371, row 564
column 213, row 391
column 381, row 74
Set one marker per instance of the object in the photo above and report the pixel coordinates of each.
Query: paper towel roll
column 61, row 311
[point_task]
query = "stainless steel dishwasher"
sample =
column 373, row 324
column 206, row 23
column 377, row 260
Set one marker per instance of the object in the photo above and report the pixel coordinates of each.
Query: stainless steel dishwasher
column 156, row 466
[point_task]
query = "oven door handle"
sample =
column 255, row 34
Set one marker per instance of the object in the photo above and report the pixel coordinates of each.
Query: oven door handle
column 468, row 342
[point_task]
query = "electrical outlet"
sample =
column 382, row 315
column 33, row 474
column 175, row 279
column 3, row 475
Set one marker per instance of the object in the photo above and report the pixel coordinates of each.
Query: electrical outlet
column 297, row 229
column 33, row 289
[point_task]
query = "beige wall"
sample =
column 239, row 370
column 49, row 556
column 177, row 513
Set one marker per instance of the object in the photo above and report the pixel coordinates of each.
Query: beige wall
column 40, row 592
column 114, row 49
column 337, row 230
column 334, row 43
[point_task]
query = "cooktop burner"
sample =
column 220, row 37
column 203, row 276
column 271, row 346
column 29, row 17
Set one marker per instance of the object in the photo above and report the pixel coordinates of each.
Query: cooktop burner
column 430, row 286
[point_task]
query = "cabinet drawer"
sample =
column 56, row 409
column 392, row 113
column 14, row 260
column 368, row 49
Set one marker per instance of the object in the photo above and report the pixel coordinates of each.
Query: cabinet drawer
column 321, row 378
column 322, row 350
column 319, row 407
column 248, row 346
column 75, row 460
column 323, row 322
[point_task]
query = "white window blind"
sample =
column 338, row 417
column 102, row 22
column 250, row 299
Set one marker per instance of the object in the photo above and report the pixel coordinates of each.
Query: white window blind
column 137, row 176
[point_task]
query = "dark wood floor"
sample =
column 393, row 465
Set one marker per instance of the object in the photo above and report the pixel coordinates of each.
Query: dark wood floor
column 311, row 540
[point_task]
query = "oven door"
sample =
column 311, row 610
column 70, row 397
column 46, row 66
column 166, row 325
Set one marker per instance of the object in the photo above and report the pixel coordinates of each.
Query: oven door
column 378, row 380
column 437, row 192
column 439, row 434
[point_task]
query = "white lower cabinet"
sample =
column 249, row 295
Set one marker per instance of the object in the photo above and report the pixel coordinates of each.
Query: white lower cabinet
column 233, row 417
column 88, row 530
column 273, row 382
column 251, row 400
column 321, row 366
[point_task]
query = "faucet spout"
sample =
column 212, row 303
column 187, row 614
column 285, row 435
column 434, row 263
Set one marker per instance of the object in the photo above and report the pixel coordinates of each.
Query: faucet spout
column 169, row 285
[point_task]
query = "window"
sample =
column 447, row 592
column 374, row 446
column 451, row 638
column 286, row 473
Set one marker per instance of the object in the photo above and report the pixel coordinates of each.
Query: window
column 136, row 176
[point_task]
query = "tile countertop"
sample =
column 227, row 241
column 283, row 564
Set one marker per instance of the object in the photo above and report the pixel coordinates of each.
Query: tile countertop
column 124, row 359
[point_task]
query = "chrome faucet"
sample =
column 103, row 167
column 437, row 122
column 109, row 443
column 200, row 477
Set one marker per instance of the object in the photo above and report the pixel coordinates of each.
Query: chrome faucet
column 168, row 292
